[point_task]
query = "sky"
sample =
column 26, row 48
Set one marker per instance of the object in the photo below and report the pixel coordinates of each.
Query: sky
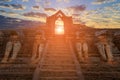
column 93, row 13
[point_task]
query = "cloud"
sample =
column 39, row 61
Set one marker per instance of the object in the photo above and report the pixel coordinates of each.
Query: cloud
column 17, row 6
column 12, row 6
column 37, row 0
column 47, row 3
column 102, row 1
column 41, row 18
column 4, row 5
column 76, row 15
column 106, row 17
column 59, row 0
column 77, row 8
column 36, row 7
column 5, row 1
column 33, row 14
column 49, row 9
column 2, row 11
column 9, row 14
column 25, row 0
column 67, row 1
column 12, row 13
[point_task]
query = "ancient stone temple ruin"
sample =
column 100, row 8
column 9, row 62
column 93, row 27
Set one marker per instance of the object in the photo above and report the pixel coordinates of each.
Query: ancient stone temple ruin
column 52, row 52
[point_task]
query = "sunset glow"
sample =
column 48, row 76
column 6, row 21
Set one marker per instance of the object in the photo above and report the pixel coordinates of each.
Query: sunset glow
column 93, row 13
column 59, row 30
column 59, row 27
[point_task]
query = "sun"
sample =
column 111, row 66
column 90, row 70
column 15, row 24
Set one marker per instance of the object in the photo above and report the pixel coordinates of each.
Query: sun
column 59, row 27
column 59, row 30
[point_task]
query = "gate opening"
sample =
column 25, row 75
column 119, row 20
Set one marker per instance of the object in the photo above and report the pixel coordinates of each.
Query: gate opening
column 59, row 27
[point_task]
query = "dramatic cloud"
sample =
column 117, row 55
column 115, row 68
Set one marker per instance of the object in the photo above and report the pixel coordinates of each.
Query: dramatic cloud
column 108, row 17
column 17, row 6
column 12, row 6
column 49, row 9
column 37, row 0
column 47, row 3
column 33, row 14
column 8, row 13
column 25, row 0
column 105, row 15
column 5, row 1
column 36, row 7
column 103, row 1
column 26, row 16
column 76, row 15
column 4, row 5
column 59, row 0
column 77, row 8
column 2, row 11
column 66, row 1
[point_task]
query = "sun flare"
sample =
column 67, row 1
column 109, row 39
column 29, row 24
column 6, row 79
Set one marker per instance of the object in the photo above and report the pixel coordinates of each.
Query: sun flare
column 59, row 30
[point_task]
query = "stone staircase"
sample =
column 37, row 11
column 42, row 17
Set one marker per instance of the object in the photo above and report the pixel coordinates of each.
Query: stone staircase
column 96, row 69
column 100, row 72
column 21, row 69
column 58, row 63
column 16, row 71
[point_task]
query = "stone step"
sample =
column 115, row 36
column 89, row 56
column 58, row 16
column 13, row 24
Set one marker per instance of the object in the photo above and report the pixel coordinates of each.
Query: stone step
column 58, row 73
column 58, row 67
column 59, row 52
column 16, row 65
column 58, row 63
column 102, row 75
column 56, row 55
column 16, row 72
column 101, row 68
column 21, row 55
column 16, row 77
column 59, row 78
column 97, row 77
column 56, row 48
column 57, row 41
column 58, row 58
column 57, row 45
column 20, row 70
column 18, row 60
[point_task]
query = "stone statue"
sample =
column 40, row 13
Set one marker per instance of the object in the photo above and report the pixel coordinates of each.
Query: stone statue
column 82, row 46
column 13, row 46
column 104, row 47
column 38, row 46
